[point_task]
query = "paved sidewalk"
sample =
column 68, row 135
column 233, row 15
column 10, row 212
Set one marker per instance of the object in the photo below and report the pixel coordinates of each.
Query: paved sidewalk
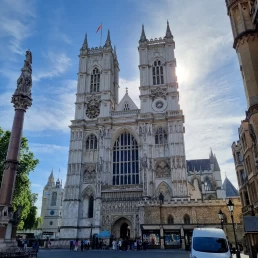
column 242, row 255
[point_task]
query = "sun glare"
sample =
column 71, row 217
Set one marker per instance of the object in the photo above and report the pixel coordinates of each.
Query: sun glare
column 181, row 74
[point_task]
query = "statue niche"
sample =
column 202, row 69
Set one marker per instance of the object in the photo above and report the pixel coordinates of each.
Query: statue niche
column 162, row 169
column 165, row 189
column 89, row 174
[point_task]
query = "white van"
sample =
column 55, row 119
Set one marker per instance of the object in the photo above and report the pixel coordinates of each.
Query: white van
column 209, row 243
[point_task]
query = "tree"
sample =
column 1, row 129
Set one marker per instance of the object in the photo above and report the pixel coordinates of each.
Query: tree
column 23, row 197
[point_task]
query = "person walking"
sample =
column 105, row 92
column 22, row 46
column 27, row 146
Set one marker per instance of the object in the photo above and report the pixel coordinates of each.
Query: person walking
column 71, row 245
column 76, row 245
column 114, row 244
column 82, row 245
column 25, row 245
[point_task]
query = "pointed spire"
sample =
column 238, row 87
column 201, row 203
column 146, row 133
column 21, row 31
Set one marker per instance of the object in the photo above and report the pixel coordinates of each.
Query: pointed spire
column 168, row 32
column 143, row 37
column 108, row 41
column 85, row 43
column 126, row 90
column 51, row 177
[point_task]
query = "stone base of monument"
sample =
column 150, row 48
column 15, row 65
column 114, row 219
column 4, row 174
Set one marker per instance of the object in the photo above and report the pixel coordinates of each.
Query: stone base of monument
column 8, row 245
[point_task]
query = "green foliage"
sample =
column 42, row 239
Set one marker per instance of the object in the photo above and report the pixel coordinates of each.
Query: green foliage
column 22, row 194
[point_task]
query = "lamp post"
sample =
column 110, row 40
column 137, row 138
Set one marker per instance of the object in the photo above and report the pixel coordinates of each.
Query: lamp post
column 231, row 209
column 221, row 217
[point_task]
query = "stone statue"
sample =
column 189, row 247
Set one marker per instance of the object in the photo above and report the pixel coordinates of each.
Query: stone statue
column 144, row 161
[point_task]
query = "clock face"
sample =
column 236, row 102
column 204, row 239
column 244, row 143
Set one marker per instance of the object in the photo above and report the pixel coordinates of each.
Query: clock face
column 92, row 112
column 159, row 105
column 52, row 212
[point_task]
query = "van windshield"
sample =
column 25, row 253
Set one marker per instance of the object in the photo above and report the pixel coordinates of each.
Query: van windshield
column 210, row 245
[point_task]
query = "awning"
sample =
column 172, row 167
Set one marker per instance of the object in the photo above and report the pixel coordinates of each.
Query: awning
column 104, row 234
column 250, row 224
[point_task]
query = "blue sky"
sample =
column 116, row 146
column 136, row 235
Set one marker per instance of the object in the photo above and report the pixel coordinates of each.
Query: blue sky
column 210, row 85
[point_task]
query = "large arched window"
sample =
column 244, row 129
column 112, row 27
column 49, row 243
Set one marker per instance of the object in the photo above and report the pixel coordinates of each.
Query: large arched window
column 125, row 160
column 92, row 142
column 187, row 219
column 157, row 73
column 53, row 199
column 91, row 206
column 170, row 219
column 95, row 80
column 160, row 136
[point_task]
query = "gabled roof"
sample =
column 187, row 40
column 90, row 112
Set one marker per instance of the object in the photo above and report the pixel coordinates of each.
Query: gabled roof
column 128, row 100
column 230, row 190
column 198, row 165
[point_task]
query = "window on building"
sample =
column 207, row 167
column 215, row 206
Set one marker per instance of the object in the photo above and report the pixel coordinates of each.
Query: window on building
column 95, row 80
column 248, row 165
column 246, row 198
column 170, row 219
column 187, row 219
column 125, row 160
column 253, row 191
column 239, row 158
column 244, row 142
column 92, row 142
column 243, row 176
column 207, row 184
column 157, row 73
column 126, row 106
column 53, row 199
column 161, row 136
column 91, row 206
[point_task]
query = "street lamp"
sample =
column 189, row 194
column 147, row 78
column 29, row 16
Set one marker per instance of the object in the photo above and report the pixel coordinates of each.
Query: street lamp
column 221, row 217
column 91, row 225
column 231, row 209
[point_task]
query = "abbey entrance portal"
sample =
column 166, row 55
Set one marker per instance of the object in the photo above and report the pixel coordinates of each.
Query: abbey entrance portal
column 122, row 229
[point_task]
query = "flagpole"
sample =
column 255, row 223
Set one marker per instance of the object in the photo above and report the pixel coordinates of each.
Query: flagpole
column 101, row 36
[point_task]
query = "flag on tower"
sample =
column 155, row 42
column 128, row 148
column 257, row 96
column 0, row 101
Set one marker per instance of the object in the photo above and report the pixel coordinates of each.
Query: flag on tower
column 100, row 27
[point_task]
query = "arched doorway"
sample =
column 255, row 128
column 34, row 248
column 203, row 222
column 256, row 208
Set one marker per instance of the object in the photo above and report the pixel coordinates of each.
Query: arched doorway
column 122, row 228
column 125, row 231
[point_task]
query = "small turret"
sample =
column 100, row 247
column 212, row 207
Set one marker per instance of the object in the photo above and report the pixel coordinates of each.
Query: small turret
column 168, row 32
column 85, row 43
column 143, row 37
column 108, row 40
column 51, row 180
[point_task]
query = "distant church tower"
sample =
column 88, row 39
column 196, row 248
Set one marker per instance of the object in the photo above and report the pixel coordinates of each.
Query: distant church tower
column 52, row 204
column 121, row 155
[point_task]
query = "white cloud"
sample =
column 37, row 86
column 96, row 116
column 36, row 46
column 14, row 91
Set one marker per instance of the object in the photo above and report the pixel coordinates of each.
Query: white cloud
column 57, row 64
column 16, row 24
column 47, row 148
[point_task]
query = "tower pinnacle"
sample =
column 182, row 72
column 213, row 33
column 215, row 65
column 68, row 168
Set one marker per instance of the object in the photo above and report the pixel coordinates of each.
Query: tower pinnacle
column 108, row 41
column 168, row 32
column 85, row 43
column 143, row 37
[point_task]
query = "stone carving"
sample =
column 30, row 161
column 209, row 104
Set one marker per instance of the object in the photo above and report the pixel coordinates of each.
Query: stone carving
column 93, row 106
column 24, row 82
column 144, row 161
column 158, row 93
column 22, row 95
column 89, row 174
column 165, row 190
column 162, row 169
column 145, row 130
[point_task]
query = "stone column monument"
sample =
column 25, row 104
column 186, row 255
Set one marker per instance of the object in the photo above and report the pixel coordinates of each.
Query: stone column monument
column 21, row 100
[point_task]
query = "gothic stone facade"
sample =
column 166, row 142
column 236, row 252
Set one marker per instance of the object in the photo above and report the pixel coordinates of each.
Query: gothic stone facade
column 120, row 154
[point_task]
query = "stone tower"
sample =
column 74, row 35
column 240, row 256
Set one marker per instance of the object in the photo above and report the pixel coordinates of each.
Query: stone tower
column 52, row 204
column 245, row 35
column 160, row 111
